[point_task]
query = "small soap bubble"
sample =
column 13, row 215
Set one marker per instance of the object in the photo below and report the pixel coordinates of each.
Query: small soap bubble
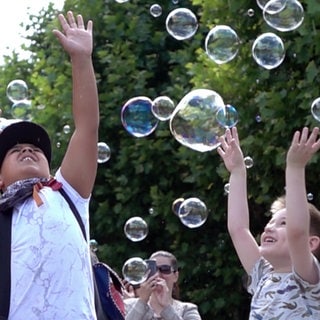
column 283, row 15
column 156, row 10
column 227, row 188
column 93, row 245
column 22, row 110
column 137, row 117
column 135, row 270
column 122, row 1
column 104, row 152
column 58, row 145
column 151, row 211
column 193, row 213
column 194, row 121
column 315, row 109
column 250, row 12
column 310, row 196
column 176, row 205
column 228, row 117
column 222, row 44
column 17, row 90
column 162, row 108
column 268, row 50
column 136, row 229
column 181, row 23
column 66, row 129
column 248, row 162
column 258, row 118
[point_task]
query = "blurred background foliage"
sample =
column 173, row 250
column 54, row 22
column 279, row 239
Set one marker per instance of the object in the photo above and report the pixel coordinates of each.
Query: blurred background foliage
column 135, row 56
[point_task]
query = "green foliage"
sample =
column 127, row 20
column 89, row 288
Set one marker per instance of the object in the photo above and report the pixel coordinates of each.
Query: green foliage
column 135, row 56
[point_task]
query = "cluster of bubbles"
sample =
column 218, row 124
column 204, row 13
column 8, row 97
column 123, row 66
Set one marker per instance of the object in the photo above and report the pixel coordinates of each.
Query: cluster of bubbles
column 197, row 121
column 192, row 213
column 17, row 93
column 222, row 43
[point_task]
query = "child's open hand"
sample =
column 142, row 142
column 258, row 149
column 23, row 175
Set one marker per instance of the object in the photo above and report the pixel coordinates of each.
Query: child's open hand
column 230, row 150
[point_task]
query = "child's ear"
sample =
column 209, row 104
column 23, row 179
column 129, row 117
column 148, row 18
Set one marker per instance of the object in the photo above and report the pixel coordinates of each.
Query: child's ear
column 314, row 242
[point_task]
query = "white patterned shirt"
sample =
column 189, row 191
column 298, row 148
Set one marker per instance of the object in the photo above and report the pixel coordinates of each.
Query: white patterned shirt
column 282, row 296
column 51, row 275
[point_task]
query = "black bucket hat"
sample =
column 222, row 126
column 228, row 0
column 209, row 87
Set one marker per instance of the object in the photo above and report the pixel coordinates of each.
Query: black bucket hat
column 24, row 132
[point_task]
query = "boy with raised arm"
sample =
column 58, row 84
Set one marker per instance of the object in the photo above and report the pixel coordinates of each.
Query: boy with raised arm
column 51, row 275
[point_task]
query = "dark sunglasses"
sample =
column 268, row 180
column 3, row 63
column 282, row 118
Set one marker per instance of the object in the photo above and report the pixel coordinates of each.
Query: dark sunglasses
column 165, row 269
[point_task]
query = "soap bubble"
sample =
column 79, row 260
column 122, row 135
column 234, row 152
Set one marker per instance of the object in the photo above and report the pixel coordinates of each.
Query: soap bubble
column 194, row 121
column 136, row 229
column 94, row 245
column 156, row 10
column 193, row 213
column 176, row 205
column 309, row 196
column 315, row 109
column 121, row 1
column 181, row 23
column 135, row 270
column 268, row 50
column 17, row 90
column 283, row 15
column 66, row 129
column 262, row 3
column 22, row 110
column 137, row 117
column 248, row 162
column 228, row 117
column 222, row 44
column 162, row 108
column 226, row 188
column 104, row 152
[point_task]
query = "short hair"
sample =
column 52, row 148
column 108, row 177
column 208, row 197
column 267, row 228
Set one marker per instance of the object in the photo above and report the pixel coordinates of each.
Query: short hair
column 314, row 230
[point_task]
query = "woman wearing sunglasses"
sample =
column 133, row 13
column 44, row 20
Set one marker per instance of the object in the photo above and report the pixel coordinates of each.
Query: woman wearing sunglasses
column 158, row 296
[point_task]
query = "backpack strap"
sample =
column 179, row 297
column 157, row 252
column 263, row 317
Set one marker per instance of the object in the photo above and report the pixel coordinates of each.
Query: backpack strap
column 75, row 211
column 5, row 265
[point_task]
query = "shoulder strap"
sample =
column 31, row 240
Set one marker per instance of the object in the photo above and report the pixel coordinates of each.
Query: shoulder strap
column 5, row 265
column 74, row 210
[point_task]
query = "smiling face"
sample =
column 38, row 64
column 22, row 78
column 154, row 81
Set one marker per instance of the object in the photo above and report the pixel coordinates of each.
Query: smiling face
column 274, row 244
column 23, row 161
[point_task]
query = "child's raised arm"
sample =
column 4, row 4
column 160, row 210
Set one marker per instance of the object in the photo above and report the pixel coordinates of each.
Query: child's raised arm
column 238, row 212
column 80, row 162
column 302, row 148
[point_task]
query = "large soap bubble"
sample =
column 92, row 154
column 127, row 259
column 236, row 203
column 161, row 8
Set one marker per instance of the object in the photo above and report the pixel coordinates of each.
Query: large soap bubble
column 194, row 121
column 222, row 44
column 136, row 229
column 283, row 15
column 193, row 213
column 162, row 108
column 268, row 50
column 17, row 90
column 137, row 117
column 181, row 23
column 135, row 270
column 22, row 109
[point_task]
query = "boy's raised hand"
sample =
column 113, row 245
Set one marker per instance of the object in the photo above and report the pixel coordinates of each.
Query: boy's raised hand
column 230, row 150
column 303, row 146
column 75, row 38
